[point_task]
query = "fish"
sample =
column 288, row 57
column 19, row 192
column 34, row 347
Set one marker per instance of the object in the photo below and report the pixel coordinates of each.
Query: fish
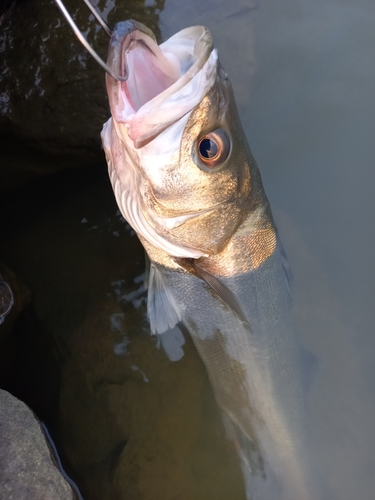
column 185, row 179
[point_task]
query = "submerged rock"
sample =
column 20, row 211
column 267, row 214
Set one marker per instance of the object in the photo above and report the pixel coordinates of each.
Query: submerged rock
column 27, row 469
column 135, row 425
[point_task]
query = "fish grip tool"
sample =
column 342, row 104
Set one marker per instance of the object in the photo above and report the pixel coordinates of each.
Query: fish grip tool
column 83, row 40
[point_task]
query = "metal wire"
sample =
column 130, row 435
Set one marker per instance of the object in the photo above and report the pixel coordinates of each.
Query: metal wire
column 83, row 40
column 99, row 19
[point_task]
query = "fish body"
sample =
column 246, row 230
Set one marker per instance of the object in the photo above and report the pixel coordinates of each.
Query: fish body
column 185, row 180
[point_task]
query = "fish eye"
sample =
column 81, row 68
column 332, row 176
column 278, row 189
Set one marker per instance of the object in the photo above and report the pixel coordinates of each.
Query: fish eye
column 213, row 148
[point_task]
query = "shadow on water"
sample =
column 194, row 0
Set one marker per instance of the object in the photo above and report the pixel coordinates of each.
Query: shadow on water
column 129, row 422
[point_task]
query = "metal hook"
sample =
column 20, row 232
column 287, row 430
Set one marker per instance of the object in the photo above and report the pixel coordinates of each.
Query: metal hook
column 85, row 43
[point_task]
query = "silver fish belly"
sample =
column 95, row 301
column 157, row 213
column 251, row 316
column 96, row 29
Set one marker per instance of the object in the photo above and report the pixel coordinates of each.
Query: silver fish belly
column 185, row 179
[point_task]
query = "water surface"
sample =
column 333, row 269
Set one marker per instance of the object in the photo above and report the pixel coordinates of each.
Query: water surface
column 303, row 74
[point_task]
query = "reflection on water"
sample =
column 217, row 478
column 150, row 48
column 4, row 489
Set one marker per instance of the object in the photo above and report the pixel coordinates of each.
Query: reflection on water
column 310, row 122
column 309, row 114
column 138, row 419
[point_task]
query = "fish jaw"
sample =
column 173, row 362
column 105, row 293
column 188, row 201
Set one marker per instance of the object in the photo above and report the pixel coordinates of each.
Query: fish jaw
column 149, row 101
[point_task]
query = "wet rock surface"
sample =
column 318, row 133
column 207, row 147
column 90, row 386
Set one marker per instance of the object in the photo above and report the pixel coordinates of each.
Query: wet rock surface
column 27, row 469
column 53, row 101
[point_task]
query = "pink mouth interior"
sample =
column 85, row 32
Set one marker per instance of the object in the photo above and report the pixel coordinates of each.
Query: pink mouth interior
column 150, row 73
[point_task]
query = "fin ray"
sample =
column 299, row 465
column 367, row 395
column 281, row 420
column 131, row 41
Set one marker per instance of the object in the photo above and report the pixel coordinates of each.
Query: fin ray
column 162, row 309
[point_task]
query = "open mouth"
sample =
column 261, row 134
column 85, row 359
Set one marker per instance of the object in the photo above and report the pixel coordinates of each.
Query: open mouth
column 135, row 54
column 154, row 76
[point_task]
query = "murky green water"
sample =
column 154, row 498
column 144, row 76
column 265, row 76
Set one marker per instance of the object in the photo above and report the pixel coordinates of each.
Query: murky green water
column 134, row 424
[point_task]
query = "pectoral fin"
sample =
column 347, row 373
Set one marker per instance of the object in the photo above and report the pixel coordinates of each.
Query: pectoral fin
column 192, row 266
column 162, row 309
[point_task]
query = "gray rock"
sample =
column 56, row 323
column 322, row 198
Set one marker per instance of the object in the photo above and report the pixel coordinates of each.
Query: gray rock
column 27, row 471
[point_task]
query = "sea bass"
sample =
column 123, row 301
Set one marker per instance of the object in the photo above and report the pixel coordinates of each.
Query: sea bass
column 185, row 180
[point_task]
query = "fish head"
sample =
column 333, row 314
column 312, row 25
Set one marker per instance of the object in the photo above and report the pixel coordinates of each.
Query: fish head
column 178, row 159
